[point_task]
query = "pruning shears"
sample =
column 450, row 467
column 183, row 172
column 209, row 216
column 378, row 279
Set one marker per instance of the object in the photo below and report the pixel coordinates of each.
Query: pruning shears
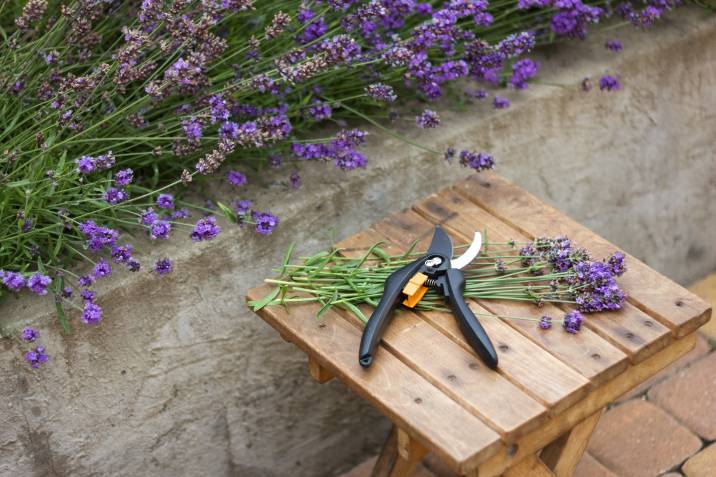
column 436, row 269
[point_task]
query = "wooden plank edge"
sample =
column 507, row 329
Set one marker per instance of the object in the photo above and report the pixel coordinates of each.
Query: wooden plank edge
column 508, row 456
column 679, row 330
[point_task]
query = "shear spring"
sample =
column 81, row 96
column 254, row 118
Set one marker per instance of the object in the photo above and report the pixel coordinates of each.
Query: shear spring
column 431, row 282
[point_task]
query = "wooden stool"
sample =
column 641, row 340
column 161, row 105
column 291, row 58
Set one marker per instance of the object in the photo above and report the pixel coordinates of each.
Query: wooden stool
column 534, row 416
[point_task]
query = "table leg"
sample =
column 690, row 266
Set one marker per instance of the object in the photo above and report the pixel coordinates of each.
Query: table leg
column 399, row 456
column 563, row 454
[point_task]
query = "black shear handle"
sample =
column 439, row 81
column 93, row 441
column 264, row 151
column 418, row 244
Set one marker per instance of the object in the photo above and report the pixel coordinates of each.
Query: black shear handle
column 392, row 296
column 469, row 325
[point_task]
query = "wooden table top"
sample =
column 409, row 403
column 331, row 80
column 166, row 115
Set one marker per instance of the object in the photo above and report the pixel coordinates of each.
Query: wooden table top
column 428, row 381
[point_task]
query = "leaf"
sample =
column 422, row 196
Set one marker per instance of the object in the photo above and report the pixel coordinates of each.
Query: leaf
column 356, row 311
column 62, row 317
column 16, row 184
column 228, row 212
column 256, row 305
column 327, row 306
column 287, row 258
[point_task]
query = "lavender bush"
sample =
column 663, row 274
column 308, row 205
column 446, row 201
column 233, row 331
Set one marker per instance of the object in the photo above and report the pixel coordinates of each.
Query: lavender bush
column 110, row 108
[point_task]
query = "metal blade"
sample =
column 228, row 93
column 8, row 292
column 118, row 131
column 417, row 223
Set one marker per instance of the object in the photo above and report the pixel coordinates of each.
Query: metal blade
column 469, row 254
column 441, row 244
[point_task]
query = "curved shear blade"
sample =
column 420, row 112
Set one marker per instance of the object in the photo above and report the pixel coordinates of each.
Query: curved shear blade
column 469, row 254
column 441, row 243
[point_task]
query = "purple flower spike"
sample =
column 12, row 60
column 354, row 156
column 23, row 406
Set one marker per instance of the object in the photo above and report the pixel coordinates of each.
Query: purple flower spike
column 67, row 292
column 522, row 71
column 500, row 103
column 13, row 281
column 295, row 180
column 88, row 295
column 36, row 357
column 121, row 254
column 381, row 92
column 29, row 335
column 159, row 230
column 428, row 119
column 613, row 45
column 38, row 283
column 124, row 177
column 205, row 229
column 242, row 206
column 165, row 201
column 572, row 322
column 148, row 217
column 115, row 196
column 545, row 322
column 236, row 178
column 102, row 269
column 85, row 165
column 92, row 313
column 609, row 83
column 163, row 266
column 265, row 222
column 616, row 264
column 476, row 160
column 86, row 280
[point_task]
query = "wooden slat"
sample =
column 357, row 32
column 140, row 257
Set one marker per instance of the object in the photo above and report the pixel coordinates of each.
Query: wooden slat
column 407, row 399
column 538, row 373
column 586, row 352
column 530, row 466
column 668, row 302
column 508, row 456
column 453, row 369
column 629, row 329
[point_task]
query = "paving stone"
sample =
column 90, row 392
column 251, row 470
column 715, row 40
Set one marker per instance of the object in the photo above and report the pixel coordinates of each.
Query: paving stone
column 638, row 439
column 706, row 289
column 702, row 464
column 591, row 467
column 672, row 474
column 689, row 396
column 701, row 349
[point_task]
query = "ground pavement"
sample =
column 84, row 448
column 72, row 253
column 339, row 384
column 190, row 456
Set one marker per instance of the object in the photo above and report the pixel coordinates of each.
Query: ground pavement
column 665, row 427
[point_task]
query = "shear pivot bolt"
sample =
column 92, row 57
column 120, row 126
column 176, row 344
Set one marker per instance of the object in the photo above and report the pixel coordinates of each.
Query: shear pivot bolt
column 433, row 262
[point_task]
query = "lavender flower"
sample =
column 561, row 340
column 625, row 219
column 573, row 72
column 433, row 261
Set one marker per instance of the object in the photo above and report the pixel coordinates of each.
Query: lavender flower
column 182, row 213
column 86, row 280
column 163, row 266
column 36, row 357
column 165, row 201
column 265, row 222
column 613, row 45
column 91, row 313
column 133, row 265
column 104, row 161
column 609, row 83
column 148, row 217
column 295, row 180
column 28, row 334
column 522, row 71
column 500, row 103
column 121, row 254
column 381, row 92
column 124, row 177
column 428, row 119
column 572, row 322
column 27, row 225
column 545, row 322
column 38, row 283
column 236, row 178
column 67, row 292
column 85, row 165
column 242, row 206
column 102, row 269
column 616, row 264
column 192, row 129
column 88, row 295
column 476, row 160
column 115, row 196
column 205, row 229
column 159, row 230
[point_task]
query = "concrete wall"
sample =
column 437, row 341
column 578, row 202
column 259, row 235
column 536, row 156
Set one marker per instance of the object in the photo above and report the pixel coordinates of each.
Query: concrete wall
column 181, row 379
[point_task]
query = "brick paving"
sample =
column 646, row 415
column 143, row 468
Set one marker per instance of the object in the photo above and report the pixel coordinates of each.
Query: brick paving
column 662, row 428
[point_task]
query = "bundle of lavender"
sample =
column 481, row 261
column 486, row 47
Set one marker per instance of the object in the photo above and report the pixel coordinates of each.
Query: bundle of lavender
column 546, row 270
column 108, row 108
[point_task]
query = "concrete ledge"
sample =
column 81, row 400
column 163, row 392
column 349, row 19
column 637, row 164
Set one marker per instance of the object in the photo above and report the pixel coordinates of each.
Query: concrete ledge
column 181, row 379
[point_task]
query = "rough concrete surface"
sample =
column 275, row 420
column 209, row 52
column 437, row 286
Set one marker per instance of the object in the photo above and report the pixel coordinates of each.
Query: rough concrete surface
column 181, row 379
